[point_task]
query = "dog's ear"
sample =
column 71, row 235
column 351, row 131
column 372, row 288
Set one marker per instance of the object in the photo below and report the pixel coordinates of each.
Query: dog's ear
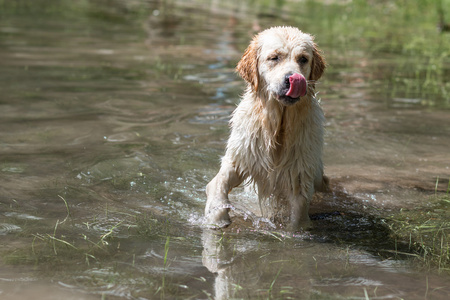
column 318, row 64
column 247, row 67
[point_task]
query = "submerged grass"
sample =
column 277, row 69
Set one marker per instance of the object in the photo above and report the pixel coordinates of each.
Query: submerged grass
column 162, row 288
column 74, row 242
column 426, row 232
column 101, row 253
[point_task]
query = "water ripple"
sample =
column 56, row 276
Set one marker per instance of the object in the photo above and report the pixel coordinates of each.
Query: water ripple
column 8, row 228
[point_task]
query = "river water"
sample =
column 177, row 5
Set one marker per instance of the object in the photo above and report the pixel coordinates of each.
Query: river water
column 113, row 118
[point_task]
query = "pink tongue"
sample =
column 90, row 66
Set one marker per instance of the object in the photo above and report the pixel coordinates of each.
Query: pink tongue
column 297, row 86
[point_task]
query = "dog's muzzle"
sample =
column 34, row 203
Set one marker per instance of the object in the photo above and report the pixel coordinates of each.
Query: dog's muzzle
column 295, row 86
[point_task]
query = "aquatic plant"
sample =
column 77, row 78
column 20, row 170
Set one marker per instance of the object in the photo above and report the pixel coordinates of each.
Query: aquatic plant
column 426, row 232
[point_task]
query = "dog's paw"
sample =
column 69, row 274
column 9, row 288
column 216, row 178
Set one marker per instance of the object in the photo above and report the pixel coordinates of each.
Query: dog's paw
column 217, row 218
column 323, row 185
column 303, row 225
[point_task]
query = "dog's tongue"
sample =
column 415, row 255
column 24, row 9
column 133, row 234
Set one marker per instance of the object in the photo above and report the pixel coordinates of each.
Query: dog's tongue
column 297, row 86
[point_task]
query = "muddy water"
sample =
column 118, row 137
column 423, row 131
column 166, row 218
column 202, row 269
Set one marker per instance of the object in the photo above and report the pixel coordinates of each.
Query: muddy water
column 113, row 119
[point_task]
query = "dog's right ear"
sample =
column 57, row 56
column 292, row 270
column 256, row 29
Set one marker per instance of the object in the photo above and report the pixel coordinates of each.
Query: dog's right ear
column 248, row 65
column 318, row 65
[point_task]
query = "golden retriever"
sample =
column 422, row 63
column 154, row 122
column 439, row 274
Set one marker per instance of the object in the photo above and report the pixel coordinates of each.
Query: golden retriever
column 276, row 135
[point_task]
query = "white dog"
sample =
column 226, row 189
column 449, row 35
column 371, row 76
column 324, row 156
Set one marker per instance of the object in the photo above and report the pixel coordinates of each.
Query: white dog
column 276, row 135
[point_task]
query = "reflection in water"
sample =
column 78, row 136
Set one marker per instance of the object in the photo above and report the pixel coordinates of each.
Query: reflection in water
column 247, row 265
column 218, row 261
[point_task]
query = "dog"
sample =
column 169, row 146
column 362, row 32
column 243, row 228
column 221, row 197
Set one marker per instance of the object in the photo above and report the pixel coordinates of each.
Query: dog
column 276, row 138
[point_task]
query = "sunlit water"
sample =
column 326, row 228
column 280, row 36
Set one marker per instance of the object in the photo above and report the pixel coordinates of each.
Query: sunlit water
column 113, row 120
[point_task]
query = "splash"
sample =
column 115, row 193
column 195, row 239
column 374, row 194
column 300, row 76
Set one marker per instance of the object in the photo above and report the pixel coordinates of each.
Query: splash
column 258, row 222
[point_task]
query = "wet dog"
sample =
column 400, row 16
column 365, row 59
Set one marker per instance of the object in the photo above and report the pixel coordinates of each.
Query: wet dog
column 276, row 138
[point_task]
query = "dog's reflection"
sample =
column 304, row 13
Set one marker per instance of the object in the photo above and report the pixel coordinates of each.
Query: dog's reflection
column 226, row 258
column 218, row 260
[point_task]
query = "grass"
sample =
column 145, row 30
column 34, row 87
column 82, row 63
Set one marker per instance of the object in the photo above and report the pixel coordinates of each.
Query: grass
column 94, row 248
column 376, row 32
column 75, row 242
column 273, row 283
column 426, row 232
column 162, row 288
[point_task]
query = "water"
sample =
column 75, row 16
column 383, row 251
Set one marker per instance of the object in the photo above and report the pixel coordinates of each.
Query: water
column 113, row 119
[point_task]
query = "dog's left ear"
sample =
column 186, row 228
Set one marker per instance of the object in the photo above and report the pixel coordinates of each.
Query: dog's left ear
column 318, row 64
column 247, row 67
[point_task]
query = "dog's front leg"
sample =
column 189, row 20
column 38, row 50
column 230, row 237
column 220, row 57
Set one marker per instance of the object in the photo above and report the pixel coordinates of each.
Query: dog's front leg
column 299, row 211
column 216, row 210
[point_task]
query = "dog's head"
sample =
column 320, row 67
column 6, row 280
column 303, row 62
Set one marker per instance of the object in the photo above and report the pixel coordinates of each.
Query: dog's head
column 282, row 62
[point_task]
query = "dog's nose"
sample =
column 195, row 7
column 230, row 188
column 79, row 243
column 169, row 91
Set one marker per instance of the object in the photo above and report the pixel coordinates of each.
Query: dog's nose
column 286, row 80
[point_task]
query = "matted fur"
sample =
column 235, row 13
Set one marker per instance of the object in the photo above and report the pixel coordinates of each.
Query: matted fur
column 275, row 141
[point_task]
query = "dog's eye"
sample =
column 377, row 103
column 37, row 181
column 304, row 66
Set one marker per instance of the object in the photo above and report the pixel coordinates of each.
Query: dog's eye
column 303, row 60
column 274, row 58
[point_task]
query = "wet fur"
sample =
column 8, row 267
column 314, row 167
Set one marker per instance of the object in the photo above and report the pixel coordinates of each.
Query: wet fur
column 274, row 143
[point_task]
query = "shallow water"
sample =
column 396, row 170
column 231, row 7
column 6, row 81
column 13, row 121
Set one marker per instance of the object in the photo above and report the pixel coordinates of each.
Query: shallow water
column 113, row 119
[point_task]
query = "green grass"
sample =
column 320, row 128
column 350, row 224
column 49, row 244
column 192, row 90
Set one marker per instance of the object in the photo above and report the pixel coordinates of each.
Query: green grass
column 397, row 40
column 426, row 232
